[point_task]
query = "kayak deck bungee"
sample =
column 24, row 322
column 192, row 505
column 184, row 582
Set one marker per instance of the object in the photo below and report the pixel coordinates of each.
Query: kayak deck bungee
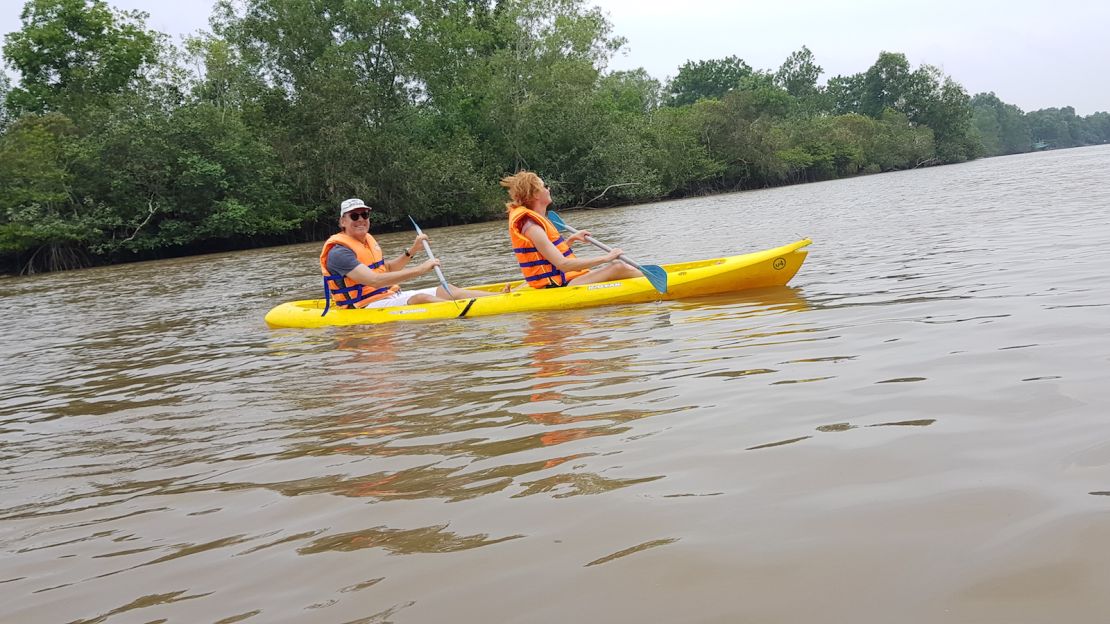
column 770, row 267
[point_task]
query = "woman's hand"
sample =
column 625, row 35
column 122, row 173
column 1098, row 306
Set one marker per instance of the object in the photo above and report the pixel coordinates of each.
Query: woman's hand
column 613, row 254
column 580, row 235
column 428, row 265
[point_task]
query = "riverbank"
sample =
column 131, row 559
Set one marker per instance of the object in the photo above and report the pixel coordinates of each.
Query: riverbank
column 76, row 259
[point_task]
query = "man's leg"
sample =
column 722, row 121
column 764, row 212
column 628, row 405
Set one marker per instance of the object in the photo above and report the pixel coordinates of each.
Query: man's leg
column 408, row 297
column 463, row 293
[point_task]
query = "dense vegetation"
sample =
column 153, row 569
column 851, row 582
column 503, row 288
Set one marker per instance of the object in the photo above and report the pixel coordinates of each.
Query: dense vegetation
column 117, row 145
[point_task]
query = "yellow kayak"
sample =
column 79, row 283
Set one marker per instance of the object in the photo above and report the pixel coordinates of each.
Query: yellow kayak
column 770, row 267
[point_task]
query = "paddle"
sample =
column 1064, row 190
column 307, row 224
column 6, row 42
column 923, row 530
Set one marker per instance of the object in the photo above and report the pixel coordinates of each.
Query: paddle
column 654, row 273
column 428, row 250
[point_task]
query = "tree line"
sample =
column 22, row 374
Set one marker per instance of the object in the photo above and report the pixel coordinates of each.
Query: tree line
column 117, row 145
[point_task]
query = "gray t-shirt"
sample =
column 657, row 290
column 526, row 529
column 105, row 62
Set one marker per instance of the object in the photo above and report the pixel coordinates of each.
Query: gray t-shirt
column 342, row 260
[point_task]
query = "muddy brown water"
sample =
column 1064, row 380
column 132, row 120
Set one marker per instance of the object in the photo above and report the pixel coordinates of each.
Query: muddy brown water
column 915, row 430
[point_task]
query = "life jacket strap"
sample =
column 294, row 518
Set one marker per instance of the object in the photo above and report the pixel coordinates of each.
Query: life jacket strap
column 346, row 296
column 548, row 276
column 327, row 297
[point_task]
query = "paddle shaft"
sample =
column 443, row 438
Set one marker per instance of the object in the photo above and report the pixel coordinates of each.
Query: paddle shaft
column 439, row 272
column 602, row 246
column 656, row 275
column 431, row 256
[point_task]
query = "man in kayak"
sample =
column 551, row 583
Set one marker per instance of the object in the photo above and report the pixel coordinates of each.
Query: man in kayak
column 357, row 275
column 544, row 256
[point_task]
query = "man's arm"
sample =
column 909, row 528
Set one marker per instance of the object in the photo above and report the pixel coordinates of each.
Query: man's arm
column 343, row 261
column 402, row 260
column 363, row 275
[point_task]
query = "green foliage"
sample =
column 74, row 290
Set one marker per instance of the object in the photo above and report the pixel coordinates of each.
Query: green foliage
column 36, row 210
column 1002, row 127
column 799, row 73
column 844, row 94
column 1098, row 126
column 1061, row 127
column 195, row 174
column 33, row 162
column 70, row 53
column 925, row 96
column 936, row 101
column 631, row 92
column 710, row 79
column 886, row 84
column 678, row 150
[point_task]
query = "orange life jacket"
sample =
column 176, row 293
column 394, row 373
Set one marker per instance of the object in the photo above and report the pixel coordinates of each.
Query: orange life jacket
column 538, row 272
column 347, row 292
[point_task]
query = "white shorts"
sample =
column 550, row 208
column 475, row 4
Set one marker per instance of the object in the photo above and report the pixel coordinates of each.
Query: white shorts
column 401, row 297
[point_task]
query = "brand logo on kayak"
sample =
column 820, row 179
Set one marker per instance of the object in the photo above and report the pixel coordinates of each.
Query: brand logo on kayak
column 779, row 263
column 416, row 311
column 600, row 286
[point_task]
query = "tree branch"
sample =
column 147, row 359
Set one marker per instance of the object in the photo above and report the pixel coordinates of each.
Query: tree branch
column 150, row 205
column 607, row 190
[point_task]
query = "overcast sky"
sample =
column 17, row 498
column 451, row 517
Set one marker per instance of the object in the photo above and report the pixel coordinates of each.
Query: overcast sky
column 1032, row 53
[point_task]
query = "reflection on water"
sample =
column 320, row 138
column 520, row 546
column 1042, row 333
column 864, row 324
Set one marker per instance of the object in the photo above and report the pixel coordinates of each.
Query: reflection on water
column 927, row 391
column 629, row 551
column 423, row 540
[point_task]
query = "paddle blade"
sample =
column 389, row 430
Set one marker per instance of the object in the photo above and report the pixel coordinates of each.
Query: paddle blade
column 656, row 275
column 558, row 222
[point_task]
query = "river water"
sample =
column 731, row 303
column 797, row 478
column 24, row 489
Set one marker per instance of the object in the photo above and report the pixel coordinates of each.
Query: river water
column 915, row 430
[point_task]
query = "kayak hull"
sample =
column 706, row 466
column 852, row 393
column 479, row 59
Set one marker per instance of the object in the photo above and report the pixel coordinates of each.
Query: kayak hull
column 761, row 269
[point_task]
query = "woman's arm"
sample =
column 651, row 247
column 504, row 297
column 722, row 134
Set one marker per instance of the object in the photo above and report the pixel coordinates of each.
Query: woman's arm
column 535, row 233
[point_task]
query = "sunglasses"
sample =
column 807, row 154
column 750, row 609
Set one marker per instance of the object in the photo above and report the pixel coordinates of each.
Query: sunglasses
column 355, row 216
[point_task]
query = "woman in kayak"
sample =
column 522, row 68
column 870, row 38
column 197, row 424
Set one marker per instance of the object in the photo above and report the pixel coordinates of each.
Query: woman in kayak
column 544, row 256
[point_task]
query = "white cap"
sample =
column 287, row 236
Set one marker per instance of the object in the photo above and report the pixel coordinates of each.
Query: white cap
column 350, row 204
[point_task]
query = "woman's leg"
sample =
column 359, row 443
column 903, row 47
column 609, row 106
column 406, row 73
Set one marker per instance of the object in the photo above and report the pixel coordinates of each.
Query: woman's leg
column 615, row 271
